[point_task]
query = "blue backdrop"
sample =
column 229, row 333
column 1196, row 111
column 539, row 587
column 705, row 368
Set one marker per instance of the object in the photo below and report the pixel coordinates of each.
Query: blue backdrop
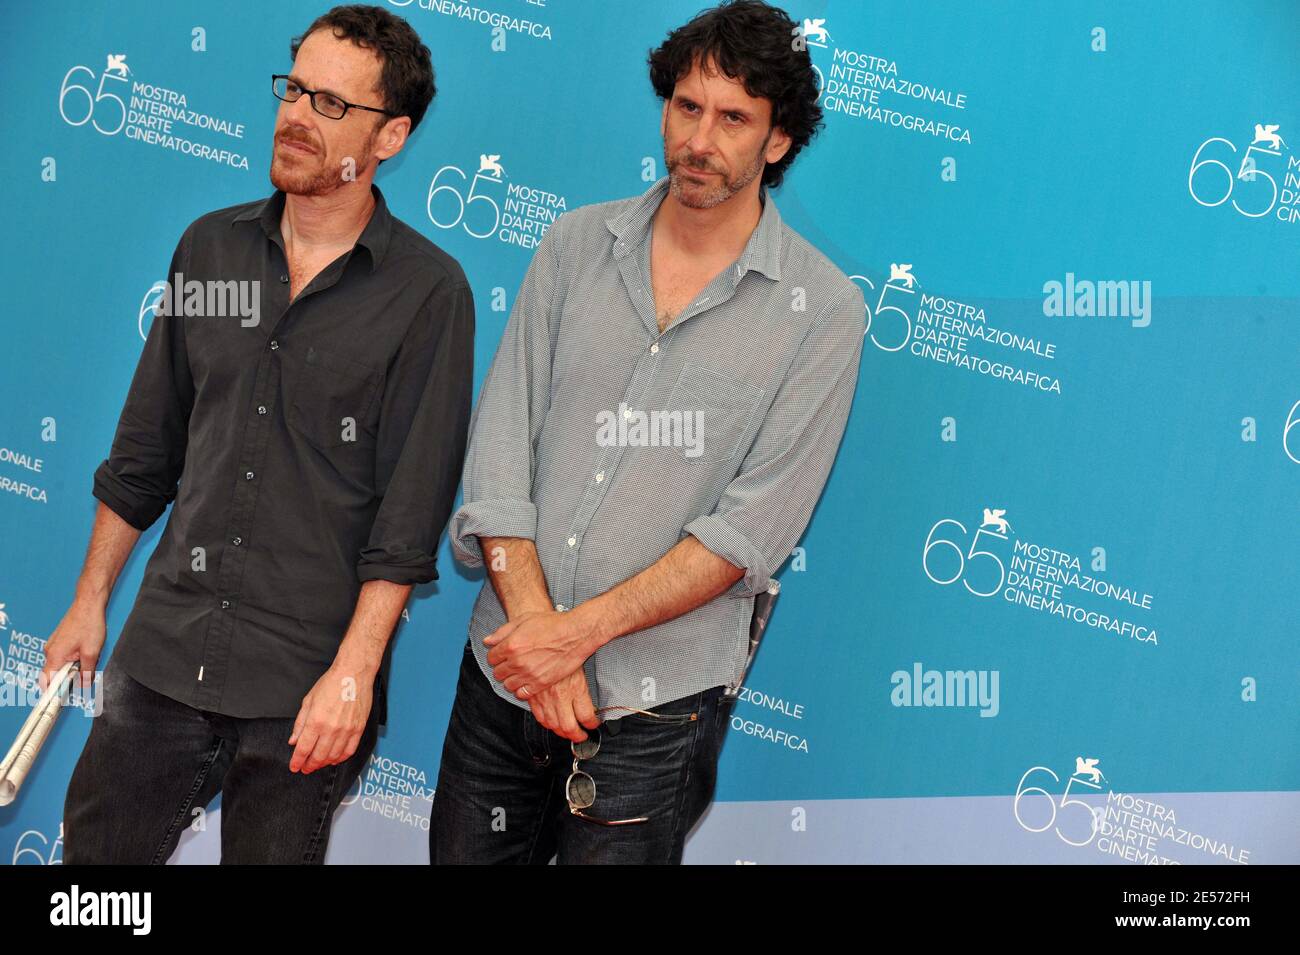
column 1072, row 465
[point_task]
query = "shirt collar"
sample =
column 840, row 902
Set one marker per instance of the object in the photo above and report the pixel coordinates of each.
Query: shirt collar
column 762, row 252
column 375, row 236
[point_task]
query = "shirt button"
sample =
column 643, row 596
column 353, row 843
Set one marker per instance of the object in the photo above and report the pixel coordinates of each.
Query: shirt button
column 600, row 477
column 237, row 541
column 284, row 278
column 627, row 413
column 274, row 344
column 225, row 605
column 261, row 409
column 248, row 476
column 559, row 607
column 654, row 349
column 572, row 541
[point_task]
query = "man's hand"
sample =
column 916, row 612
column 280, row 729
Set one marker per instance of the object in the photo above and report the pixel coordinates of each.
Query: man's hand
column 79, row 636
column 536, row 650
column 564, row 705
column 331, row 719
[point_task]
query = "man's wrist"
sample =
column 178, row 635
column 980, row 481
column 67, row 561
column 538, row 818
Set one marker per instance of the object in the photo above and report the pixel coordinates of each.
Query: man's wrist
column 91, row 596
column 521, row 608
column 358, row 661
column 591, row 625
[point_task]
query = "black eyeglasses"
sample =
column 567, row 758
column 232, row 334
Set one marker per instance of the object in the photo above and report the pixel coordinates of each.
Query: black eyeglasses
column 327, row 104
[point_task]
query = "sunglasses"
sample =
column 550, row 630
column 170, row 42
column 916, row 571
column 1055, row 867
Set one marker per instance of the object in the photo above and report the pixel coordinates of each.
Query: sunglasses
column 580, row 788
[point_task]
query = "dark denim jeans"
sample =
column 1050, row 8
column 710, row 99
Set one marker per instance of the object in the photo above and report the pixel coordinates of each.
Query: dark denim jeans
column 500, row 795
column 151, row 762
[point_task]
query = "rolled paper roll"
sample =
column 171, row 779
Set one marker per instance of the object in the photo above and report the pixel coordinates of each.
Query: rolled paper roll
column 32, row 736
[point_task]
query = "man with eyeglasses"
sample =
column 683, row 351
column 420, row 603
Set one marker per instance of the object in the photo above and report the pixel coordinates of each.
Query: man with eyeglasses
column 313, row 456
column 657, row 425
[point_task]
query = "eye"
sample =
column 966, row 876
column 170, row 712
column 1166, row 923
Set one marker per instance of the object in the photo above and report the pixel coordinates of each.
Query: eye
column 291, row 88
column 332, row 103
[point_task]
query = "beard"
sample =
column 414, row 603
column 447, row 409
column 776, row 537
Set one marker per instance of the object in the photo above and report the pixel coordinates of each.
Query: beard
column 311, row 174
column 704, row 195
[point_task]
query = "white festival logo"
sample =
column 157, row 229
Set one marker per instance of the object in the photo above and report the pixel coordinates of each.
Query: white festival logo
column 1268, row 134
column 996, row 518
column 902, row 273
column 900, row 314
column 113, row 102
column 1218, row 182
column 4, row 617
column 485, row 205
column 814, row 31
column 1088, row 767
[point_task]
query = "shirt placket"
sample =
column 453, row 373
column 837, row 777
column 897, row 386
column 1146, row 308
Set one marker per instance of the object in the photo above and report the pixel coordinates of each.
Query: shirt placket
column 215, row 662
column 639, row 387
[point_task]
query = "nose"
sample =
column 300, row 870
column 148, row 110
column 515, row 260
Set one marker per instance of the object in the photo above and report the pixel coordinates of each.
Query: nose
column 700, row 143
column 300, row 112
column 707, row 131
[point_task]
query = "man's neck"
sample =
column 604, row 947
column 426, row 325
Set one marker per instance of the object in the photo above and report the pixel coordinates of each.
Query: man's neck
column 326, row 222
column 722, row 230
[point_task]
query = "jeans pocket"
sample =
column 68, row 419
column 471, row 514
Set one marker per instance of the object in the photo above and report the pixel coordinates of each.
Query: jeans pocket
column 678, row 712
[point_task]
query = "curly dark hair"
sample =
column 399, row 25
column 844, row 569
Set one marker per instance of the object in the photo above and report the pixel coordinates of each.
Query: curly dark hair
column 754, row 43
column 406, row 81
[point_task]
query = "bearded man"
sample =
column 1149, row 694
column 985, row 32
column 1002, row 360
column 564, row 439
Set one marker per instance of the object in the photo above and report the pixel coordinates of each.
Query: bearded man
column 622, row 570
column 313, row 456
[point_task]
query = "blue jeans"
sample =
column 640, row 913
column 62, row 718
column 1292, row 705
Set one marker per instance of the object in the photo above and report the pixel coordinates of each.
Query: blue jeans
column 501, row 785
column 150, row 763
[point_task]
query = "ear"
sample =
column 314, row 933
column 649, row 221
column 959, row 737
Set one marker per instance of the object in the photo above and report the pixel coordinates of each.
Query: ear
column 663, row 121
column 778, row 144
column 392, row 137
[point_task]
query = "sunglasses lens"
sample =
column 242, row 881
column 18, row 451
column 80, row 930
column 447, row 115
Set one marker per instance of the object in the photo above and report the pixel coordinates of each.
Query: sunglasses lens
column 581, row 790
column 589, row 747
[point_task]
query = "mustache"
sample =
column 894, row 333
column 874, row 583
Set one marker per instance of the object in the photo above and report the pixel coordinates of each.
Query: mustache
column 290, row 135
column 691, row 163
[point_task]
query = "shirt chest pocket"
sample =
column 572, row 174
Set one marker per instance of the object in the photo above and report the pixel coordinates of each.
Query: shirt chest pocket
column 716, row 412
column 332, row 400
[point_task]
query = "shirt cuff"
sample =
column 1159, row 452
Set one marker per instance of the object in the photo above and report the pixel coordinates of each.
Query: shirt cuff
column 138, row 510
column 735, row 548
column 494, row 518
column 411, row 566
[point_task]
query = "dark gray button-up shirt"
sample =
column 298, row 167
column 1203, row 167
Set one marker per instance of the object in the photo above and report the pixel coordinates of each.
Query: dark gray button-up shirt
column 316, row 449
column 564, row 448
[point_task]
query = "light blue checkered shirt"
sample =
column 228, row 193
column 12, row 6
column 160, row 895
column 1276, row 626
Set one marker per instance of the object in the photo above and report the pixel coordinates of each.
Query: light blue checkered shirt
column 767, row 353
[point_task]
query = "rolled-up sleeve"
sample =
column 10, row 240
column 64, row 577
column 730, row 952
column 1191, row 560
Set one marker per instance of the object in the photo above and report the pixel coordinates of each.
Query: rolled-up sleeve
column 507, row 422
column 423, row 425
column 764, row 511
column 140, row 476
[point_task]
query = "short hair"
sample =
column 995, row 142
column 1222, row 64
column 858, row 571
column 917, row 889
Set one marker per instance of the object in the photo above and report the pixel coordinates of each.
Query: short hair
column 406, row 82
column 754, row 43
